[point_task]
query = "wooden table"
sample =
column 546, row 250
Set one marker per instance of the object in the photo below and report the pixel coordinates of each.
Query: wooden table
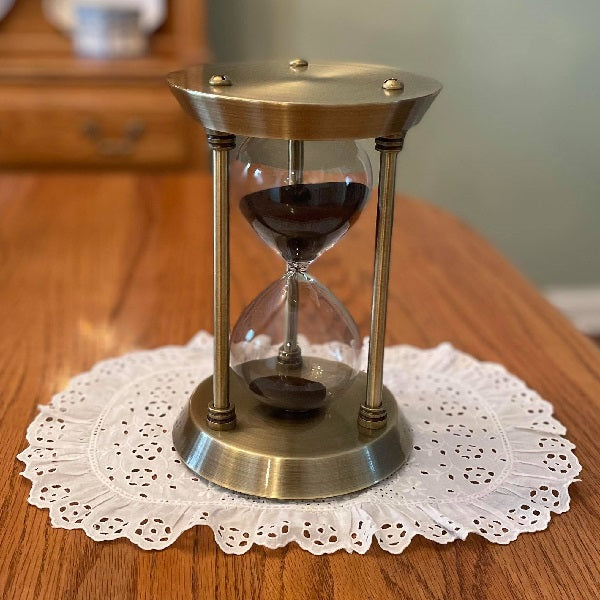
column 92, row 266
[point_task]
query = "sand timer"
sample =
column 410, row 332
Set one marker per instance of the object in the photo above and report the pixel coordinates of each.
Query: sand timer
column 287, row 413
column 296, row 345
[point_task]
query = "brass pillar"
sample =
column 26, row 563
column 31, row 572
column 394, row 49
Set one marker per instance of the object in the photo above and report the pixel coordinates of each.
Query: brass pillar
column 295, row 161
column 221, row 413
column 290, row 354
column 372, row 414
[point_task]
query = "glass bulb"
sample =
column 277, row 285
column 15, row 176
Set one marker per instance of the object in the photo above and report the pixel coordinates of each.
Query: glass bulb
column 296, row 346
column 328, row 341
column 300, row 210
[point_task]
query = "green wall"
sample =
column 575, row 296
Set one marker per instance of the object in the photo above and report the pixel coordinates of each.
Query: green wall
column 512, row 145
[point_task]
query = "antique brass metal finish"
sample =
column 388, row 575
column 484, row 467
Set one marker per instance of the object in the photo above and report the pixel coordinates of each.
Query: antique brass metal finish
column 219, row 80
column 323, row 101
column 289, row 353
column 221, row 412
column 314, row 456
column 393, row 85
column 253, row 447
column 371, row 414
column 298, row 63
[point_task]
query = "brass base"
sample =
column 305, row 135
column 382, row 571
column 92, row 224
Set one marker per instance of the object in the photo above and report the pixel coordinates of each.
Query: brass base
column 276, row 455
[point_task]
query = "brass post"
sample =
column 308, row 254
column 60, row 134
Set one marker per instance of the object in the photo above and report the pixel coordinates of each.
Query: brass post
column 221, row 413
column 289, row 353
column 295, row 161
column 372, row 414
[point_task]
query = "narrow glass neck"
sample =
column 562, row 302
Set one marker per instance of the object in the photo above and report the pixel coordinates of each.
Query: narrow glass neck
column 297, row 267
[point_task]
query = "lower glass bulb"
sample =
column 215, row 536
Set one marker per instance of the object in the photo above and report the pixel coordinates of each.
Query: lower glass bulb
column 296, row 346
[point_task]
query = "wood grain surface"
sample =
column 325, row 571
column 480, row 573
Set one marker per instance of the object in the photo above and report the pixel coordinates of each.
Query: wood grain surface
column 92, row 266
column 53, row 109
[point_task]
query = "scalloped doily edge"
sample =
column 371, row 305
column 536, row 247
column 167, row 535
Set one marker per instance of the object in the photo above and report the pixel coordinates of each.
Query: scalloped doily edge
column 358, row 525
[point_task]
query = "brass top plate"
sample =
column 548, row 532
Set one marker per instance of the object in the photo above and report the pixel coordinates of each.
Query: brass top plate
column 318, row 102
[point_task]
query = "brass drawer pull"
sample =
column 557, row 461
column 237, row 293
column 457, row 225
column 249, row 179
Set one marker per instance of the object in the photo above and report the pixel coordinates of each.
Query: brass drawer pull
column 114, row 147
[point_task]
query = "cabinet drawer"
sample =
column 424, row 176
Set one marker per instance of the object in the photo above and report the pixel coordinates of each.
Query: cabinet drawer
column 118, row 126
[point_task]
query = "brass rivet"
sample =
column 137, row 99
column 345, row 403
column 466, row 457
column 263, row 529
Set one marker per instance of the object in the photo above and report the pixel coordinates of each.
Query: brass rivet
column 298, row 63
column 392, row 84
column 217, row 80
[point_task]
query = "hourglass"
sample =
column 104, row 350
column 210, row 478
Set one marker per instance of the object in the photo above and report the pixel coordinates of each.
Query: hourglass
column 295, row 345
column 287, row 412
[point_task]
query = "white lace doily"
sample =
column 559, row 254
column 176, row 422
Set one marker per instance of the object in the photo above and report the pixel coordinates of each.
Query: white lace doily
column 488, row 458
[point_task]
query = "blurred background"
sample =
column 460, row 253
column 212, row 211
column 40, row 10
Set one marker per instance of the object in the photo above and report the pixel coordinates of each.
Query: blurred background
column 512, row 145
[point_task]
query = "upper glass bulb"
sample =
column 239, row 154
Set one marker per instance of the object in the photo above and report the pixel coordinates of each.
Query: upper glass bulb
column 301, row 200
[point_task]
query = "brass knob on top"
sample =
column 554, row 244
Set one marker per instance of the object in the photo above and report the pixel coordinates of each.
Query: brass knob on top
column 298, row 63
column 393, row 85
column 219, row 80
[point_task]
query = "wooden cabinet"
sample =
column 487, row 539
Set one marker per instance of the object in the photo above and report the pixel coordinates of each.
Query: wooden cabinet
column 59, row 110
